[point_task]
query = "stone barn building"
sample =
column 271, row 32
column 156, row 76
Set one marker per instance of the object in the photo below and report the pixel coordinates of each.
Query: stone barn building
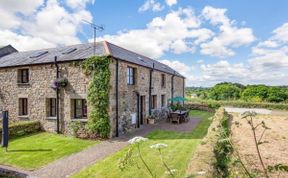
column 139, row 85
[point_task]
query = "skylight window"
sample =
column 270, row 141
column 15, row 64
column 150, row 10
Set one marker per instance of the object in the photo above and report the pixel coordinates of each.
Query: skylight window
column 141, row 59
column 68, row 51
column 38, row 54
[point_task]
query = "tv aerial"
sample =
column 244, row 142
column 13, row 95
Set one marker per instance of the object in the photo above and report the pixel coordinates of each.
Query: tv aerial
column 96, row 28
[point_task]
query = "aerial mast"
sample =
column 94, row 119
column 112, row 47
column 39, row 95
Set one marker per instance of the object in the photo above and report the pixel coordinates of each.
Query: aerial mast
column 95, row 29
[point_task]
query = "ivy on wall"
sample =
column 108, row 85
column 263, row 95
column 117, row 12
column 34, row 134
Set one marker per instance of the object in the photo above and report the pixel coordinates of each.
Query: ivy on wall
column 98, row 94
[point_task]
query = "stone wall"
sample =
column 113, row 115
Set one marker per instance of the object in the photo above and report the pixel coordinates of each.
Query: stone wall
column 39, row 91
column 128, row 93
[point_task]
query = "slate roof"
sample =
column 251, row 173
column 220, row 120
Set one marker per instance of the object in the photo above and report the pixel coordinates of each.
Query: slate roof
column 80, row 52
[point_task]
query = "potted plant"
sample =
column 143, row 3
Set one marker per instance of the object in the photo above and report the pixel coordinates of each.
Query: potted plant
column 63, row 82
column 151, row 120
column 58, row 83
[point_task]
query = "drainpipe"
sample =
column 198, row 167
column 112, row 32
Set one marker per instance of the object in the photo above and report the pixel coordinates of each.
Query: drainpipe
column 150, row 89
column 57, row 96
column 138, row 108
column 117, row 98
column 172, row 88
column 183, row 90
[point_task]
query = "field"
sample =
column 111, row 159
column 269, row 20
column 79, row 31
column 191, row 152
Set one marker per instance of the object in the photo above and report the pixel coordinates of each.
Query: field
column 273, row 152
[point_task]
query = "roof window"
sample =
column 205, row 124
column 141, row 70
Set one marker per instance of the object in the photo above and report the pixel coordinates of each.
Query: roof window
column 38, row 54
column 70, row 50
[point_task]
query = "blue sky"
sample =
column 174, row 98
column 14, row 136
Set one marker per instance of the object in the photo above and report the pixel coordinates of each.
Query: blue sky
column 208, row 41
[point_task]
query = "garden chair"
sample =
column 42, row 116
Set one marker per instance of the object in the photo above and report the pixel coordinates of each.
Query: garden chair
column 175, row 118
column 186, row 116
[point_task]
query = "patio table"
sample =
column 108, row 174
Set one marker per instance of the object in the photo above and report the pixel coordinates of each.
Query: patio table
column 181, row 114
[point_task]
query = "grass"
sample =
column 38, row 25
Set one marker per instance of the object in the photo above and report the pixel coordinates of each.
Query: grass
column 181, row 147
column 33, row 151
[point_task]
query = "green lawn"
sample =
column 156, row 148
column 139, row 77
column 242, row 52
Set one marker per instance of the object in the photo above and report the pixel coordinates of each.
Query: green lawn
column 181, row 147
column 36, row 150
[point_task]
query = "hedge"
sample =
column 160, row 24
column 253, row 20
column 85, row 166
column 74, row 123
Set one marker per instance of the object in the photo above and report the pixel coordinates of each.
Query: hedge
column 238, row 103
column 22, row 128
column 205, row 161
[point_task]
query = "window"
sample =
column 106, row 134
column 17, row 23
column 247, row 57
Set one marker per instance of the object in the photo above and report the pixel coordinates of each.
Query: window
column 163, row 80
column 130, row 76
column 154, row 101
column 23, row 76
column 80, row 108
column 163, row 101
column 23, row 106
column 52, row 107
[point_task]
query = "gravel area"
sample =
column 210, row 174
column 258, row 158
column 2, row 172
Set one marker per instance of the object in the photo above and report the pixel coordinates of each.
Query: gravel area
column 67, row 166
column 242, row 110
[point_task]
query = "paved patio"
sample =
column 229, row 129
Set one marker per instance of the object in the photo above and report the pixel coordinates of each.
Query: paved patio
column 67, row 166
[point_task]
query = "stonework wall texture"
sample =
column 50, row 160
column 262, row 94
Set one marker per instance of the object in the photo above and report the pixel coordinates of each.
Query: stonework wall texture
column 38, row 91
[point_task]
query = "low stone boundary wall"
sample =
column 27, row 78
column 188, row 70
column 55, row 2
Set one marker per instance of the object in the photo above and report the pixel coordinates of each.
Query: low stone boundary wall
column 202, row 163
column 202, row 107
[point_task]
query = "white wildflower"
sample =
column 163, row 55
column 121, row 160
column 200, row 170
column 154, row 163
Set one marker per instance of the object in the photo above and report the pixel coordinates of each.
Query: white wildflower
column 137, row 140
column 201, row 172
column 159, row 146
column 171, row 171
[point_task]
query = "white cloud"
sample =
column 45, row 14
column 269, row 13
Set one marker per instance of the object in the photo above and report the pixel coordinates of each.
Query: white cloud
column 10, row 10
column 268, row 64
column 230, row 35
column 79, row 4
column 178, row 66
column 40, row 23
column 177, row 32
column 23, row 42
column 171, row 2
column 151, row 4
column 281, row 33
column 59, row 26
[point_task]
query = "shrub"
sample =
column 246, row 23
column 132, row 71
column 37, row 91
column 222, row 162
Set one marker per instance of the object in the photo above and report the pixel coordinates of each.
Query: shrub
column 23, row 128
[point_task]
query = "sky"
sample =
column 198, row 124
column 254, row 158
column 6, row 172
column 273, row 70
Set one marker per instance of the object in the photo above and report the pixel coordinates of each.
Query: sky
column 207, row 41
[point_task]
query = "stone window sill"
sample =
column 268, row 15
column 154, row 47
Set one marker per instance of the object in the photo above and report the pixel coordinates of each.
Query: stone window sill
column 23, row 84
column 79, row 119
column 51, row 118
column 23, row 117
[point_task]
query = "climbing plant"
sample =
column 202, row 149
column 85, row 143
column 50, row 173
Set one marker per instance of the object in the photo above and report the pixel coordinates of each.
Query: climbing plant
column 98, row 94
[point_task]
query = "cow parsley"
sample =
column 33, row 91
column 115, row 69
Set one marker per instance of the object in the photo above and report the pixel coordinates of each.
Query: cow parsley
column 137, row 140
column 159, row 146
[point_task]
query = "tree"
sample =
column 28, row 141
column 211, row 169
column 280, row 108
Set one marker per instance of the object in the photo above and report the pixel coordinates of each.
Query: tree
column 256, row 93
column 225, row 91
column 277, row 94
